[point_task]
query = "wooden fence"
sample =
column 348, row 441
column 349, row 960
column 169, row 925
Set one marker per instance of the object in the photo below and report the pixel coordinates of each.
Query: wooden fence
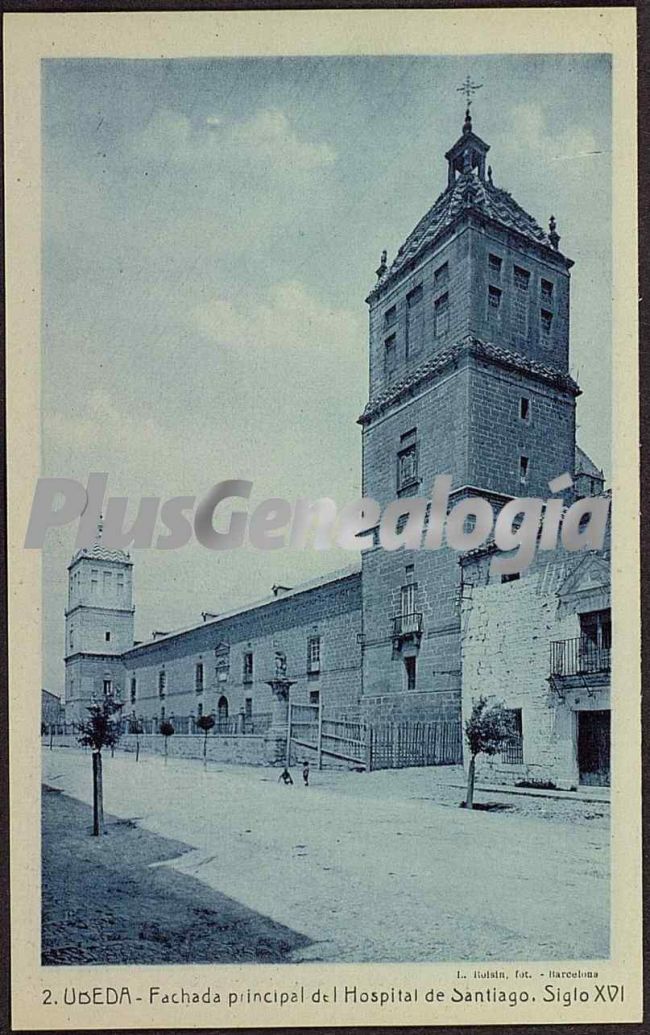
column 388, row 745
column 394, row 745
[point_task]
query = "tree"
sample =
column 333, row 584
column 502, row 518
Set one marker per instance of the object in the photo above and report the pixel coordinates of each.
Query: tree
column 167, row 731
column 488, row 730
column 101, row 729
column 136, row 727
column 205, row 723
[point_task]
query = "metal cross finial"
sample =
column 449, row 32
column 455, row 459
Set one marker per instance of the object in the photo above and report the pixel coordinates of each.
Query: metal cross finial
column 468, row 88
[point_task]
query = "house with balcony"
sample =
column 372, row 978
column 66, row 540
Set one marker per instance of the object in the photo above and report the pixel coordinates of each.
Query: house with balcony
column 541, row 644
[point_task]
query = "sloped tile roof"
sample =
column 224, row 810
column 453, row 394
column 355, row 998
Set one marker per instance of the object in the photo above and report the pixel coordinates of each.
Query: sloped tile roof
column 468, row 193
column 585, row 465
column 426, row 371
column 97, row 552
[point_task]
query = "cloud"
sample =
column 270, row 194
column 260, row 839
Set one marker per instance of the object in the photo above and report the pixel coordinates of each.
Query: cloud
column 534, row 134
column 266, row 137
column 290, row 318
column 269, row 135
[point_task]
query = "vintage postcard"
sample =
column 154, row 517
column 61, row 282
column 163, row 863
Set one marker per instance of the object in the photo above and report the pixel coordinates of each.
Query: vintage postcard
column 323, row 518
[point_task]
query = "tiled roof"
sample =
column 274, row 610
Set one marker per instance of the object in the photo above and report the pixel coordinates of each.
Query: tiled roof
column 426, row 371
column 468, row 193
column 97, row 552
column 585, row 465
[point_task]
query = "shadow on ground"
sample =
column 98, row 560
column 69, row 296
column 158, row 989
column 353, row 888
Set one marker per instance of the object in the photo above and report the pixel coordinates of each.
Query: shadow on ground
column 104, row 902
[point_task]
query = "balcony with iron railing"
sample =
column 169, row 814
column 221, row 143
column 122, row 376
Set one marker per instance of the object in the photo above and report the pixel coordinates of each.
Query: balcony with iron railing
column 579, row 656
column 407, row 625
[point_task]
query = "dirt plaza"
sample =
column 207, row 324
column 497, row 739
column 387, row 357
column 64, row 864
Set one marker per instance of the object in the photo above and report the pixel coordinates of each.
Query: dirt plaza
column 381, row 867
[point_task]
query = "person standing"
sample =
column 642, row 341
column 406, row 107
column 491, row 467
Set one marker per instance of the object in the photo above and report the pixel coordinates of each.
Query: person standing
column 305, row 773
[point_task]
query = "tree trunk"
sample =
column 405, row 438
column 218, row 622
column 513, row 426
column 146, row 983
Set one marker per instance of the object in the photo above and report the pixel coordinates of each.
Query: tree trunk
column 205, row 748
column 51, row 735
column 166, row 741
column 137, row 748
column 469, row 803
column 98, row 803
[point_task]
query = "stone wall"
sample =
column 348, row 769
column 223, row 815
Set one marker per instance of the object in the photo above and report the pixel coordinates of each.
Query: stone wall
column 245, row 750
column 507, row 629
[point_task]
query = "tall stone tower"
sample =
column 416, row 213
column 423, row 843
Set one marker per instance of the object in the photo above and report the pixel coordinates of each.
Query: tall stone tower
column 98, row 626
column 469, row 376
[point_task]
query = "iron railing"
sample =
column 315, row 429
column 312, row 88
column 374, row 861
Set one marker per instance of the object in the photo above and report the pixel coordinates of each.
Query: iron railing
column 406, row 625
column 579, row 656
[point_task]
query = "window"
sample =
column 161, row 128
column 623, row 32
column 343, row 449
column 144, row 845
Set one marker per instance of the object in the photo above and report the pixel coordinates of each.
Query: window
column 248, row 667
column 596, row 628
column 94, row 578
column 313, row 654
column 71, row 636
column 407, row 461
column 545, row 324
column 222, row 654
column 441, row 276
column 494, row 303
column 108, row 687
column 408, row 598
column 410, row 664
column 390, row 355
column 514, row 751
column 524, row 408
column 198, row 677
column 390, row 316
column 314, row 696
column 162, row 682
column 414, row 320
column 199, row 710
column 120, row 583
column 108, row 582
column 521, row 280
column 547, row 291
column 134, row 689
column 494, row 265
column 441, row 315
column 162, row 714
column 107, row 637
column 524, row 467
column 248, row 707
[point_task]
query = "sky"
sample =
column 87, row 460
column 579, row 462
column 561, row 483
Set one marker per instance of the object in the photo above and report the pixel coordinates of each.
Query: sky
column 211, row 229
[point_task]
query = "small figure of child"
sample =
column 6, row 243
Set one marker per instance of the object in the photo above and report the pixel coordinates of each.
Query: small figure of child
column 305, row 773
column 285, row 776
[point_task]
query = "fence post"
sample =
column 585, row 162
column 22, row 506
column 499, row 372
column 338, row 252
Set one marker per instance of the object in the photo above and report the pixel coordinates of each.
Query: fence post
column 368, row 739
column 320, row 734
column 288, row 755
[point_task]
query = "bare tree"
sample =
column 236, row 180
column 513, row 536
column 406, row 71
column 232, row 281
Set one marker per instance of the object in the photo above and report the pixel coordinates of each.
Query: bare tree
column 101, row 729
column 488, row 731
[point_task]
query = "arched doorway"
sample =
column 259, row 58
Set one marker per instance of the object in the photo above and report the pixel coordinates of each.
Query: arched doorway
column 222, row 709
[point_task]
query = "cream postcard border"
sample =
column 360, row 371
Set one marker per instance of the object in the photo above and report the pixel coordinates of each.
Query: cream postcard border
column 30, row 37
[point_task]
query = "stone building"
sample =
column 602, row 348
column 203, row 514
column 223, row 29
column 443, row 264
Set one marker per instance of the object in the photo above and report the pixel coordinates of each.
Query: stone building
column 469, row 377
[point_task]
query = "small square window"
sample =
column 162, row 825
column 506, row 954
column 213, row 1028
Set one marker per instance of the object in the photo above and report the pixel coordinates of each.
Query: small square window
column 390, row 316
column 524, row 467
column 441, row 275
column 407, row 461
column 107, row 637
column 494, row 265
column 546, row 323
column 390, row 355
column 441, row 315
column 313, row 654
column 248, row 667
column 547, row 291
column 521, row 278
column 524, row 408
column 314, row 696
column 494, row 302
column 414, row 297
